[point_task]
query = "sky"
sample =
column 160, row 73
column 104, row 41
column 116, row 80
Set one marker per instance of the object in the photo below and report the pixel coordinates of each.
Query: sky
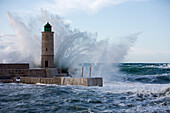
column 112, row 19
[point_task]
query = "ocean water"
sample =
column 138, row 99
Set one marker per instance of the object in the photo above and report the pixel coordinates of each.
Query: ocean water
column 142, row 88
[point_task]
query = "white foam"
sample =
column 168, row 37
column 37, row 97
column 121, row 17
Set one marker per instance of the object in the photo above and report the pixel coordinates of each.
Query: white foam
column 122, row 87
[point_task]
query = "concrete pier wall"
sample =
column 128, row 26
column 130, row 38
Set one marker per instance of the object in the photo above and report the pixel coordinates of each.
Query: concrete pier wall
column 82, row 81
column 95, row 81
column 34, row 80
column 62, row 81
column 74, row 81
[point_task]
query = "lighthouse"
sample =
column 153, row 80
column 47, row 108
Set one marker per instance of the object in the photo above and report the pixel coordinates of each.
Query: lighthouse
column 47, row 56
column 48, row 74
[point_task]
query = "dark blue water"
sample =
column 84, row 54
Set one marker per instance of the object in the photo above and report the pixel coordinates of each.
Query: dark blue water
column 158, row 73
column 144, row 88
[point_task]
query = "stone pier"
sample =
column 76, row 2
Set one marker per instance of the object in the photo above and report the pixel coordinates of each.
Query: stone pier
column 62, row 81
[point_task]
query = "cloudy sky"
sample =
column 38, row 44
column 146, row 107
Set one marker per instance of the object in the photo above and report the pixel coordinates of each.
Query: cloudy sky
column 110, row 19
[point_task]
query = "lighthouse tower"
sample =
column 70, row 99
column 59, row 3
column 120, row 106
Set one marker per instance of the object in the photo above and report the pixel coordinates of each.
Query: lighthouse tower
column 47, row 57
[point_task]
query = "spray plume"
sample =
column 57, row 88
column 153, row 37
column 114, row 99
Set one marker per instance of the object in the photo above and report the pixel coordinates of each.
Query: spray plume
column 72, row 47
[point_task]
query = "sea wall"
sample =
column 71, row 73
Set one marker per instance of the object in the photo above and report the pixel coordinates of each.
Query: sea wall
column 10, row 73
column 82, row 81
column 51, row 72
column 34, row 80
column 62, row 81
column 14, row 66
column 74, row 81
column 35, row 72
column 98, row 81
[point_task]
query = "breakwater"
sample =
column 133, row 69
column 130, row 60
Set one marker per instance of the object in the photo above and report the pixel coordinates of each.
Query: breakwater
column 61, row 81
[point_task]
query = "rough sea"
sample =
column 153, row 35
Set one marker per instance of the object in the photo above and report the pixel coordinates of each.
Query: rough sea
column 143, row 88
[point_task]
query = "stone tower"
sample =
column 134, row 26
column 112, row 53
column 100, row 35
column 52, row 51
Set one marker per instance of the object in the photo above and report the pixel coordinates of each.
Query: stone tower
column 47, row 57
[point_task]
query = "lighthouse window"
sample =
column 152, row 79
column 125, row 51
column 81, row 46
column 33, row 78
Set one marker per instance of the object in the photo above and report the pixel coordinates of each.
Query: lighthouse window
column 46, row 49
column 47, row 29
column 46, row 63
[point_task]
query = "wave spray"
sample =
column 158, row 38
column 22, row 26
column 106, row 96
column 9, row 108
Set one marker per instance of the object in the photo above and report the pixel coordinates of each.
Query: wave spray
column 72, row 46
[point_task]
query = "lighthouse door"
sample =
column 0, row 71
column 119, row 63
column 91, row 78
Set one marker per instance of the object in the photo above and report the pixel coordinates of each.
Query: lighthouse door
column 46, row 63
